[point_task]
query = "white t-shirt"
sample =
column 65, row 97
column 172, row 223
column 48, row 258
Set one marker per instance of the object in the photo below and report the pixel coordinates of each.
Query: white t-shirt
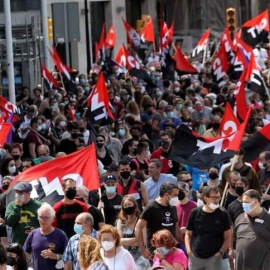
column 122, row 261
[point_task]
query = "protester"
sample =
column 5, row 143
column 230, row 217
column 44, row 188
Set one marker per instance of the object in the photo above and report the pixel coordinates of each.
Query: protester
column 114, row 256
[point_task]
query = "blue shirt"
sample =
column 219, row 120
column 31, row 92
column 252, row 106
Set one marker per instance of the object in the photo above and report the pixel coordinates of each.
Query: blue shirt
column 153, row 187
column 72, row 249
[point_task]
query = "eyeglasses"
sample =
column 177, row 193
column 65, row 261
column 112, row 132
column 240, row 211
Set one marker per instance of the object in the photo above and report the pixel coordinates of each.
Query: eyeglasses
column 44, row 217
column 215, row 197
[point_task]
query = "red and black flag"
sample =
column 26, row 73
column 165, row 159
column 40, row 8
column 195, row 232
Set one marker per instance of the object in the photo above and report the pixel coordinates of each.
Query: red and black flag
column 256, row 30
column 200, row 50
column 229, row 47
column 49, row 80
column 10, row 107
column 220, row 66
column 192, row 149
column 257, row 143
column 133, row 36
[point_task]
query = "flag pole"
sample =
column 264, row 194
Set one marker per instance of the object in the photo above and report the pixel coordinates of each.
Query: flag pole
column 43, row 138
column 225, row 191
column 101, row 209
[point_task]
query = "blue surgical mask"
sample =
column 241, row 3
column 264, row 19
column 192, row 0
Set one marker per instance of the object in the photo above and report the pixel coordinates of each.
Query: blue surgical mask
column 247, row 207
column 111, row 190
column 66, row 102
column 163, row 250
column 55, row 104
column 170, row 114
column 82, row 81
column 78, row 228
column 121, row 132
column 44, row 126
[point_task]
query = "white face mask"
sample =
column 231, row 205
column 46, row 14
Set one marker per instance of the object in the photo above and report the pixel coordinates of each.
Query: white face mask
column 20, row 197
column 261, row 165
column 62, row 124
column 107, row 245
column 176, row 89
column 12, row 169
column 213, row 206
column 173, row 201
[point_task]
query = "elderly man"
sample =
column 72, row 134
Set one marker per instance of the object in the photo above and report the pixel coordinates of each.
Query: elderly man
column 43, row 152
column 83, row 225
column 46, row 244
column 21, row 214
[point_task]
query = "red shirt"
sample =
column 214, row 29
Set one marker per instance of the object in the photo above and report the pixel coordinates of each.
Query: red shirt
column 157, row 154
column 183, row 211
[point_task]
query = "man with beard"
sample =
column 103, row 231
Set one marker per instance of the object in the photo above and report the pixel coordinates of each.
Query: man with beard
column 68, row 208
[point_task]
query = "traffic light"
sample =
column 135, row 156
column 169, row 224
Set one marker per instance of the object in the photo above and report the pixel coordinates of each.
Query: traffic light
column 50, row 28
column 231, row 19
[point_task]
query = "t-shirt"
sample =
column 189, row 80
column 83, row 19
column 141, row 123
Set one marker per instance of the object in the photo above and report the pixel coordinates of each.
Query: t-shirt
column 159, row 217
column 31, row 137
column 36, row 242
column 65, row 215
column 229, row 199
column 208, row 229
column 122, row 261
column 165, row 162
column 111, row 208
column 178, row 256
column 97, row 216
column 234, row 210
column 183, row 212
column 142, row 166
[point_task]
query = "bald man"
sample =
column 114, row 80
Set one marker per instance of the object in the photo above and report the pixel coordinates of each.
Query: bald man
column 43, row 152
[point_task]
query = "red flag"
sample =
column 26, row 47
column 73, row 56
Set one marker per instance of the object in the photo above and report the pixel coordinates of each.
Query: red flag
column 46, row 74
column 99, row 98
column 120, row 58
column 166, row 36
column 220, row 66
column 11, row 108
column 4, row 131
column 202, row 44
column 101, row 43
column 5, row 114
column 111, row 38
column 148, row 32
column 71, row 114
column 80, row 166
column 182, row 63
column 228, row 44
column 133, row 37
column 256, row 30
column 229, row 123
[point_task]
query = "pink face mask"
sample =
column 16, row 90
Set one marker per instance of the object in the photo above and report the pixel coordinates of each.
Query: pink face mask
column 198, row 108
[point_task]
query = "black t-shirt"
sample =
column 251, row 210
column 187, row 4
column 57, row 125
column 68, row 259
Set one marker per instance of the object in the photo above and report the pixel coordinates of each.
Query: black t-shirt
column 142, row 166
column 208, row 229
column 107, row 160
column 229, row 199
column 67, row 146
column 159, row 217
column 97, row 216
column 234, row 210
column 111, row 208
column 212, row 87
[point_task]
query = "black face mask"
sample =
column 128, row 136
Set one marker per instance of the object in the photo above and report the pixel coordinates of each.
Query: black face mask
column 71, row 194
column 213, row 175
column 125, row 174
column 181, row 195
column 165, row 144
column 134, row 151
column 129, row 210
column 99, row 145
column 74, row 135
column 11, row 261
column 135, row 137
column 239, row 191
column 5, row 187
column 81, row 130
column 16, row 157
column 216, row 126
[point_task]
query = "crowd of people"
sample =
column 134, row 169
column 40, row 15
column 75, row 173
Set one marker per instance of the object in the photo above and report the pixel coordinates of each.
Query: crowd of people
column 152, row 212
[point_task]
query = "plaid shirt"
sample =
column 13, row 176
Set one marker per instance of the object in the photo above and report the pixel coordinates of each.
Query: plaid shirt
column 72, row 249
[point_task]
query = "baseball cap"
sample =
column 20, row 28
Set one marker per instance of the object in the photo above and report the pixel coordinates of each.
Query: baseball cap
column 110, row 178
column 23, row 186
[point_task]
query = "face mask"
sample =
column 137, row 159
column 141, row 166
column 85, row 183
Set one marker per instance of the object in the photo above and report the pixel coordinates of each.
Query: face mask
column 134, row 151
column 213, row 175
column 165, row 144
column 159, row 93
column 16, row 157
column 78, row 228
column 260, row 164
column 5, row 187
column 99, row 144
column 82, row 81
column 62, row 124
column 12, row 169
column 11, row 261
column 86, row 89
column 179, row 107
column 125, row 174
column 247, row 207
column 239, row 191
column 66, row 102
column 190, row 109
column 176, row 89
column 129, row 210
column 216, row 126
column 43, row 159
column 170, row 114
column 181, row 195
column 121, row 132
column 111, row 190
column 213, row 206
column 81, row 130
column 148, row 154
column 74, row 135
column 39, row 128
column 20, row 197
column 77, row 115
column 44, row 126
column 55, row 104
column 173, row 201
column 71, row 194
column 107, row 245
column 163, row 250
column 198, row 108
